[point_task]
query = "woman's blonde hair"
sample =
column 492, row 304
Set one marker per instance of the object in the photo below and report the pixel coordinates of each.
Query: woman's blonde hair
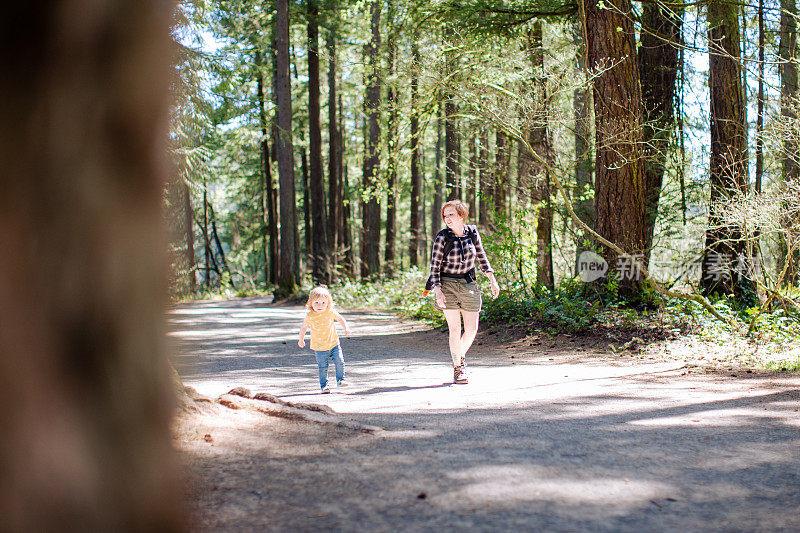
column 461, row 208
column 316, row 292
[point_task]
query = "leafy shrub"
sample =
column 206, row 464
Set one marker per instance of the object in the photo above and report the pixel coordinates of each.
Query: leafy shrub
column 401, row 293
column 565, row 309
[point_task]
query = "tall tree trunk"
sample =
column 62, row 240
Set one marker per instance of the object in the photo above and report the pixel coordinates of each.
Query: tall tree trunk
column 472, row 172
column 347, row 203
column 189, row 225
column 761, row 101
column 451, row 140
column 273, row 150
column 583, row 204
column 451, row 149
column 320, row 271
column 416, row 221
column 658, row 71
column 436, row 207
column 371, row 232
column 619, row 166
column 725, row 251
column 268, row 188
column 220, row 250
column 485, row 179
column 206, row 240
column 789, row 104
column 335, row 196
column 84, row 377
column 289, row 275
column 392, row 142
column 308, row 228
column 539, row 140
column 501, row 173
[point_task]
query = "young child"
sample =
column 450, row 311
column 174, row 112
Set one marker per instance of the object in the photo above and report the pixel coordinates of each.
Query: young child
column 324, row 341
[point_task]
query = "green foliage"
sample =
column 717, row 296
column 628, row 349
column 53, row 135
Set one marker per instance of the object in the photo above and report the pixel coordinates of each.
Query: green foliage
column 777, row 326
column 784, row 366
column 564, row 309
column 402, row 294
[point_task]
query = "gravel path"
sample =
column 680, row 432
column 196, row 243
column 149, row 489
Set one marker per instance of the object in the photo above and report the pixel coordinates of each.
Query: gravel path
column 547, row 436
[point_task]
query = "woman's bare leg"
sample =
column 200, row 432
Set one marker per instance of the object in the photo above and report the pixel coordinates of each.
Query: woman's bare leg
column 470, row 330
column 453, row 317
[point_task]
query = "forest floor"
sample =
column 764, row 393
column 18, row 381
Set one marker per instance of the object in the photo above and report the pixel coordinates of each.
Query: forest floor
column 553, row 433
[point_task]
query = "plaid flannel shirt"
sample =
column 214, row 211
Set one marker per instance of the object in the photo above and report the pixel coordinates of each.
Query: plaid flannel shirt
column 460, row 260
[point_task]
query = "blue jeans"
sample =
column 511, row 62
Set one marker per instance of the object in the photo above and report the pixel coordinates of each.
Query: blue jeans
column 334, row 353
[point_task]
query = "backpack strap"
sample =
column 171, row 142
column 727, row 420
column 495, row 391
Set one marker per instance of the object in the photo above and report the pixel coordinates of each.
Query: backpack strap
column 470, row 232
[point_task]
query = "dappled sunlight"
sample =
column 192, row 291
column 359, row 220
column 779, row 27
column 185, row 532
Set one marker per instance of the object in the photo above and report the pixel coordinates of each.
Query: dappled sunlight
column 737, row 410
column 510, row 485
column 395, row 386
column 740, row 457
column 542, row 435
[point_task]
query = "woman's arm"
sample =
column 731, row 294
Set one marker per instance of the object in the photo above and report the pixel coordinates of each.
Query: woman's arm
column 437, row 256
column 483, row 263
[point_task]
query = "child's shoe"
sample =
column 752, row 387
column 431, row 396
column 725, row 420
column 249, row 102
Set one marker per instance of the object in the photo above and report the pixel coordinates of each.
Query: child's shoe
column 342, row 383
column 326, row 390
column 460, row 375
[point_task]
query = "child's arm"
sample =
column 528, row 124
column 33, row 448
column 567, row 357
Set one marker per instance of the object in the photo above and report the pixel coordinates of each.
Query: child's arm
column 343, row 322
column 301, row 341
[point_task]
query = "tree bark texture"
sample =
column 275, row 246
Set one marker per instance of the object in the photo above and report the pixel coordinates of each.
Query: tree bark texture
column 485, row 180
column 320, row 271
column 289, row 272
column 539, row 140
column 583, row 192
column 436, row 207
column 619, row 162
column 658, row 71
column 392, row 142
column 189, row 231
column 725, row 248
column 451, row 148
column 84, row 378
column 308, row 229
column 371, row 231
column 790, row 158
column 268, row 198
column 472, row 161
column 335, row 196
column 760, row 101
column 346, row 234
column 416, row 220
column 206, row 242
column 501, row 173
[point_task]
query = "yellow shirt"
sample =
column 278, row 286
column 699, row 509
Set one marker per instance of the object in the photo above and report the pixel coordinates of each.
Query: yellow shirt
column 323, row 330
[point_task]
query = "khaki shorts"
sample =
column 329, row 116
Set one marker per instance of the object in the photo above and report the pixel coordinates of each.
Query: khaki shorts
column 459, row 294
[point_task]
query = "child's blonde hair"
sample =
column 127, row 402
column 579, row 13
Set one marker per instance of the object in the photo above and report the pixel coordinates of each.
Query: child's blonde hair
column 316, row 292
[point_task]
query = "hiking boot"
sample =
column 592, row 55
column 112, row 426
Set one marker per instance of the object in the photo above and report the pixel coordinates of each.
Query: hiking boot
column 460, row 375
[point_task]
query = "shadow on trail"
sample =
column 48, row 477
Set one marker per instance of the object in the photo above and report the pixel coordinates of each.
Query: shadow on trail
column 526, row 447
column 547, row 467
column 403, row 388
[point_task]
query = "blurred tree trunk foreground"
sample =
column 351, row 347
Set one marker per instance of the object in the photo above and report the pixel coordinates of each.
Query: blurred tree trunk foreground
column 84, row 381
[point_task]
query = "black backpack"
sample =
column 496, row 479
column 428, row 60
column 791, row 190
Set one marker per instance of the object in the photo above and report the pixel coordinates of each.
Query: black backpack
column 450, row 241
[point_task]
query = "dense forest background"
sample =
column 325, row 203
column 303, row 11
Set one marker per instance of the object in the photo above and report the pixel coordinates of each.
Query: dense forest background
column 316, row 141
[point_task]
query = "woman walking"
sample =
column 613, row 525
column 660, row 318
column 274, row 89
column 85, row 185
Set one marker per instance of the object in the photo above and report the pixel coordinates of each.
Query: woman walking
column 456, row 250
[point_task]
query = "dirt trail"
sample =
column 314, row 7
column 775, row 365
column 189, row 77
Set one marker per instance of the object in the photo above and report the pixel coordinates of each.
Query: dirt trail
column 548, row 435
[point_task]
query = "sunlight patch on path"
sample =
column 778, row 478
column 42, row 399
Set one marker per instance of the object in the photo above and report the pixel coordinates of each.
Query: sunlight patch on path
column 510, row 485
column 393, row 389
